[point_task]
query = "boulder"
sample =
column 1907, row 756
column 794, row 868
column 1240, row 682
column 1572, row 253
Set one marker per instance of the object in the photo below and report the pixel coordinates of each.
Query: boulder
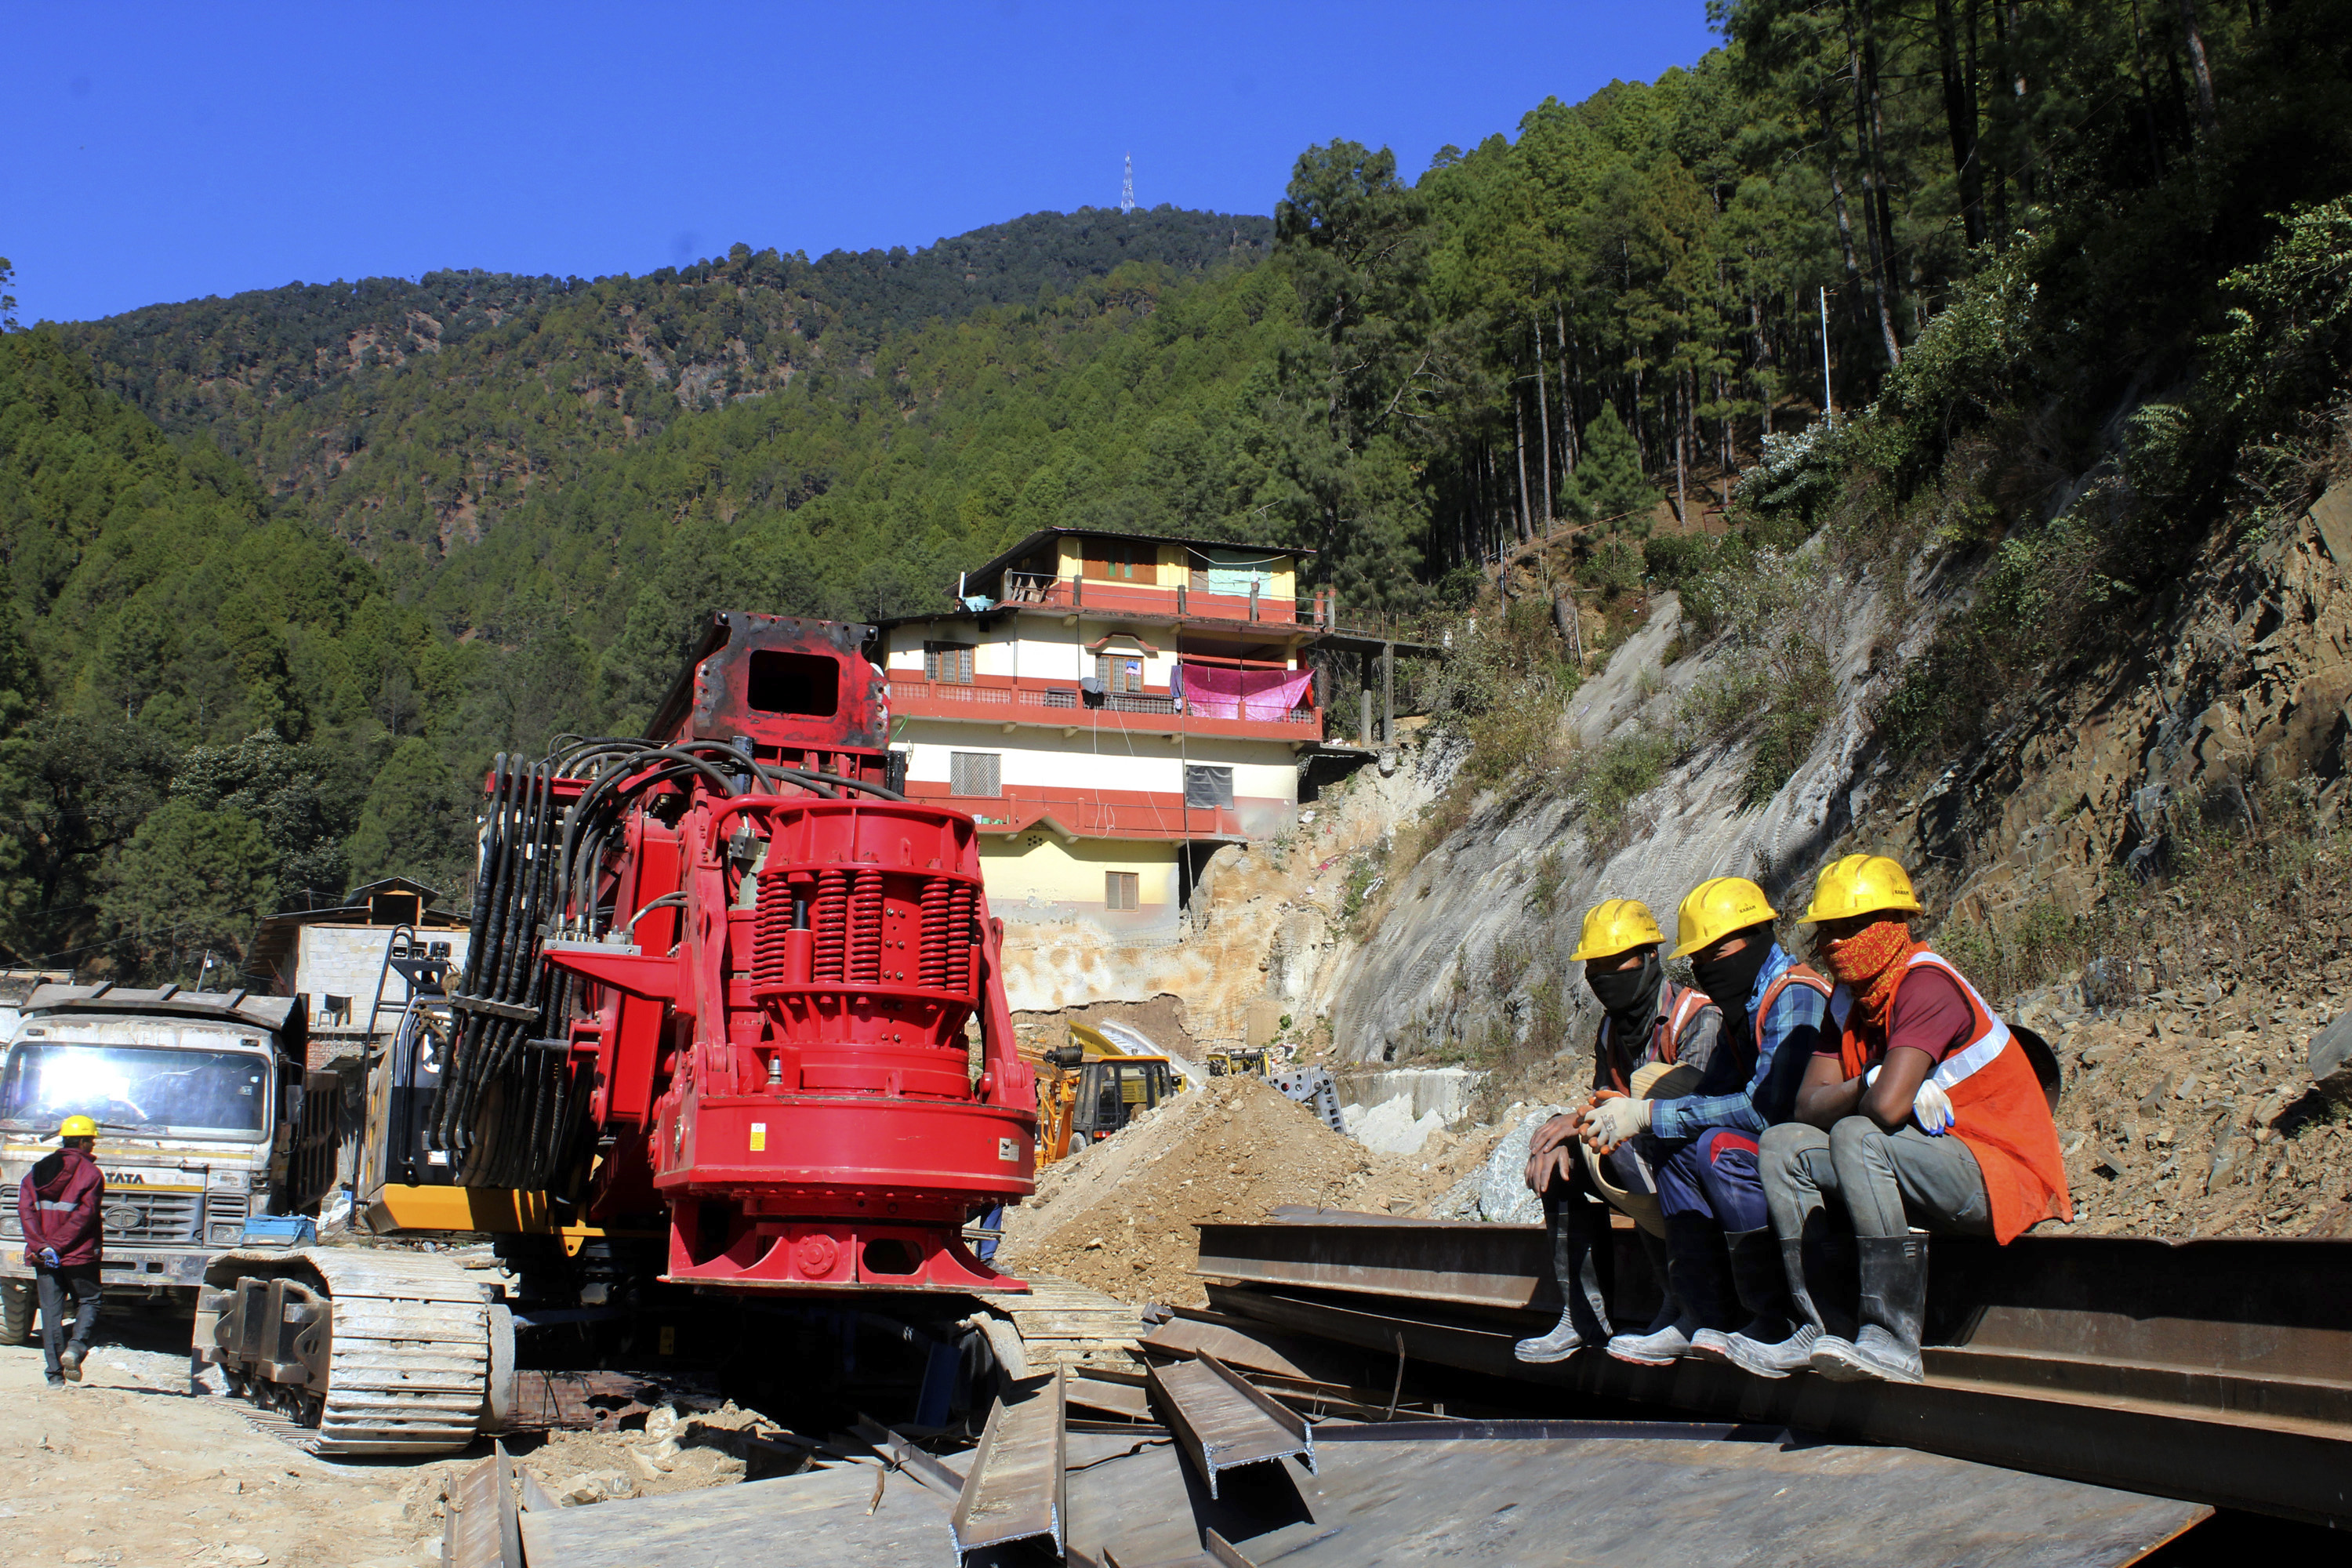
column 1503, row 1195
column 2331, row 1058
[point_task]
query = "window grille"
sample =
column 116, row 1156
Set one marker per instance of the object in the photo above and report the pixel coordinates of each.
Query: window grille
column 1120, row 889
column 1208, row 786
column 948, row 663
column 1121, row 674
column 975, row 774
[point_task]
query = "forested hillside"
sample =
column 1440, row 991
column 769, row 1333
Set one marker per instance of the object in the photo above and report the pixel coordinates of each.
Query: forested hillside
column 2005, row 228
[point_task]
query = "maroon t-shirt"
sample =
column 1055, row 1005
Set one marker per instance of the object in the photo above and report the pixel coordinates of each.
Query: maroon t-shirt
column 1930, row 1015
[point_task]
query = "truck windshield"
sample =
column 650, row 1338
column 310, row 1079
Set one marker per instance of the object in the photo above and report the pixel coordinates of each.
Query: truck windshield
column 145, row 1087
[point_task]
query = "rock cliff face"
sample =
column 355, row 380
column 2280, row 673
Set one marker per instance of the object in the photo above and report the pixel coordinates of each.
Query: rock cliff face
column 1456, row 948
column 2242, row 685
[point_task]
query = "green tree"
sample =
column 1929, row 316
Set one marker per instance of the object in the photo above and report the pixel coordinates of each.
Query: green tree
column 1609, row 485
column 189, row 881
column 419, row 821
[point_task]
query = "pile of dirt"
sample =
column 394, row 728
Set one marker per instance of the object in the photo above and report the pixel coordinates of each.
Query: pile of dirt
column 1118, row 1216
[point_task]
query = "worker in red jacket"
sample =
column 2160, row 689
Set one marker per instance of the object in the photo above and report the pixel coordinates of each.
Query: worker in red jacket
column 57, row 1205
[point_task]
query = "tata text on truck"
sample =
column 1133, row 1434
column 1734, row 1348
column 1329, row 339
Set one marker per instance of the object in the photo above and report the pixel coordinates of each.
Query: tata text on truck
column 208, row 1123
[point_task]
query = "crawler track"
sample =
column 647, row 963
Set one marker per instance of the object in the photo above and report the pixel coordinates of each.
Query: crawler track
column 411, row 1349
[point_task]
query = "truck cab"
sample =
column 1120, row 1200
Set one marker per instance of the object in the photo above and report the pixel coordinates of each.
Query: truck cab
column 208, row 1123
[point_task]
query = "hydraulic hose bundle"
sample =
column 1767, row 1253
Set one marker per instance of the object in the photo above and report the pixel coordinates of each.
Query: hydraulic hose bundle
column 511, row 1108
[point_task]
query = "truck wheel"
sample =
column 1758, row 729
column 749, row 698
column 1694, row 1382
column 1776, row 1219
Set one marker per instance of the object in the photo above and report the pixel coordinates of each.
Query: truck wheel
column 15, row 1312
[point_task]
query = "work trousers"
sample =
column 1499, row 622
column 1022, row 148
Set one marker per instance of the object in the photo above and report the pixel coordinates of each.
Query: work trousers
column 1714, row 1177
column 1886, row 1181
column 79, row 1281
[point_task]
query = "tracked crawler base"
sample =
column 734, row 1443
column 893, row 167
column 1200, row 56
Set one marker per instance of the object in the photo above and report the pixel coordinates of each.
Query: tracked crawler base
column 384, row 1352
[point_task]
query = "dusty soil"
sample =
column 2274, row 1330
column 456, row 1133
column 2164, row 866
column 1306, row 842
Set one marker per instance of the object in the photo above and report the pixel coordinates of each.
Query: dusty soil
column 1120, row 1216
column 2192, row 1114
column 128, row 1468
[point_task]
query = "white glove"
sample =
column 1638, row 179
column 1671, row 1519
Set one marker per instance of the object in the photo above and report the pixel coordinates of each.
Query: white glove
column 1612, row 1121
column 1932, row 1109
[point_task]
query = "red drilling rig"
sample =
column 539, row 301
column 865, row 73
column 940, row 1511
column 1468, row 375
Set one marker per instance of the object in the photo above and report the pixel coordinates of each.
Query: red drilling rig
column 725, row 987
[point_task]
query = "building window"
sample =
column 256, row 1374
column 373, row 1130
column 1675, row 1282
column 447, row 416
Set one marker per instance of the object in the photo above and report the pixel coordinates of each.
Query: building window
column 1120, row 673
column 1122, row 561
column 949, row 663
column 1120, row 889
column 973, row 773
column 1208, row 786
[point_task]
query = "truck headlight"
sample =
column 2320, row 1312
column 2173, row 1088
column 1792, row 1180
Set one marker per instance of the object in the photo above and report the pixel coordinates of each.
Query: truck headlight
column 227, row 1233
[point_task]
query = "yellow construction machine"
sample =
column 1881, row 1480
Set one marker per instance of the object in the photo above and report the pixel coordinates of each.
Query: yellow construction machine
column 1092, row 1087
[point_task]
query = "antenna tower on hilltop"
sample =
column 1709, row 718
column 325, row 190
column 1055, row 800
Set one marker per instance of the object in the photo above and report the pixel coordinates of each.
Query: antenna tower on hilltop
column 1127, row 187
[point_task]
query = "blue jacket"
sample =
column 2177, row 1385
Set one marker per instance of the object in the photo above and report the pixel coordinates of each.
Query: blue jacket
column 1752, row 1081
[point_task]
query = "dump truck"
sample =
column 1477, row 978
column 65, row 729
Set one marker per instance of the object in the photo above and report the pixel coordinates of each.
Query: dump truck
column 209, row 1125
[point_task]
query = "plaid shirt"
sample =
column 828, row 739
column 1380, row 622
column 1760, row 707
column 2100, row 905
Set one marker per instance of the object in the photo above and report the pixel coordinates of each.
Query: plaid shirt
column 1781, row 1048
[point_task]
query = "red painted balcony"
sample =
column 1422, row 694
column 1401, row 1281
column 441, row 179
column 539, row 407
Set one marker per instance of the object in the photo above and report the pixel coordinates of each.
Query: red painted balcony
column 1191, row 600
column 995, row 699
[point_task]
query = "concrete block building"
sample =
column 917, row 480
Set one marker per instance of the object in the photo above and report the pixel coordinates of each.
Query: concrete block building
column 1110, row 708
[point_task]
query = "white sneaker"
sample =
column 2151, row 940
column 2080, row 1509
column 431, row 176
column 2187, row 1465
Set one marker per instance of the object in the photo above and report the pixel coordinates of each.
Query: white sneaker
column 1711, row 1344
column 1764, row 1360
column 1560, row 1344
column 1664, row 1348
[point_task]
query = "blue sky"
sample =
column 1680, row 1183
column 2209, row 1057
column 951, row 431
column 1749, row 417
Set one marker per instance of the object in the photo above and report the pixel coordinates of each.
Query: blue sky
column 160, row 152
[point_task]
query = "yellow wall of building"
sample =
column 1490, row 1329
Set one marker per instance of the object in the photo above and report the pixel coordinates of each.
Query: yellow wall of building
column 1044, row 866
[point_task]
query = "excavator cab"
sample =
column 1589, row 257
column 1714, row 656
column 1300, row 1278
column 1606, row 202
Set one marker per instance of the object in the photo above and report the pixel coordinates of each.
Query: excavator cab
column 1091, row 1086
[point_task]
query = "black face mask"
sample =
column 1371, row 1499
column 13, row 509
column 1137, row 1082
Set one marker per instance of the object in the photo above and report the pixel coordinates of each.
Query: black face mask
column 1624, row 992
column 1729, row 981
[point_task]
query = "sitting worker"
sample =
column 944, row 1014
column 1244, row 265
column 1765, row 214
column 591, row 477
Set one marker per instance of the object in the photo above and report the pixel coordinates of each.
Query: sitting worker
column 1648, row 1025
column 1705, row 1151
column 58, row 1206
column 1924, row 1112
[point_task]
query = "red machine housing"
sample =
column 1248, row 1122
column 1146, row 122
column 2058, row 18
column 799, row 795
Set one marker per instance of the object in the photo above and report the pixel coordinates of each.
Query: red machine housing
column 781, row 1051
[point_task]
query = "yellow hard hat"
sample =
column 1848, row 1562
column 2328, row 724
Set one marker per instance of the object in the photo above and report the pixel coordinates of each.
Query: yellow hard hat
column 77, row 1126
column 1614, row 926
column 1860, row 885
column 1716, row 908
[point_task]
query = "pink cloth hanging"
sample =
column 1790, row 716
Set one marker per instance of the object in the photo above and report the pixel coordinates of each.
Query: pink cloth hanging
column 1212, row 691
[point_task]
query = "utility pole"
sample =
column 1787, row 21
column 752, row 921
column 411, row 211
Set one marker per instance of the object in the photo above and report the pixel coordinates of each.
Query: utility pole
column 1829, row 403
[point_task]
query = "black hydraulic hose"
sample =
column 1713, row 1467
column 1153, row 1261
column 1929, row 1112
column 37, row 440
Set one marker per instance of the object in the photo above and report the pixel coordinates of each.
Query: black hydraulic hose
column 465, row 1031
column 860, row 784
column 484, row 1035
column 486, row 870
column 597, row 792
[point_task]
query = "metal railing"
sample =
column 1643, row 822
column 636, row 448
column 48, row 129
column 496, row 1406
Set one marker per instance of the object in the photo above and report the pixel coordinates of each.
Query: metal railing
column 903, row 692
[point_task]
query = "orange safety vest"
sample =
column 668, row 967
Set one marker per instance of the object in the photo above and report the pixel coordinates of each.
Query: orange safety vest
column 1998, row 1108
column 1682, row 1004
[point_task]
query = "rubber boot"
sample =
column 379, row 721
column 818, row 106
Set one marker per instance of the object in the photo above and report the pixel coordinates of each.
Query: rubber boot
column 1696, row 1291
column 1778, row 1337
column 1576, row 1229
column 1894, row 1303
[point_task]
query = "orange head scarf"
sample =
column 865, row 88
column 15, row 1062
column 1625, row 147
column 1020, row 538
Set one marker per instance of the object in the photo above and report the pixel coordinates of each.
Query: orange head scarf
column 1870, row 964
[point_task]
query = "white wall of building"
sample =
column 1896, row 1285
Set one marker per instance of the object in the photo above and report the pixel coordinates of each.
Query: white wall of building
column 1040, row 758
column 1035, row 647
column 345, row 960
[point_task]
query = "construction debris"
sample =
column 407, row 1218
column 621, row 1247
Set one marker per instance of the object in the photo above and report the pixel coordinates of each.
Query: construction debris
column 1236, row 1151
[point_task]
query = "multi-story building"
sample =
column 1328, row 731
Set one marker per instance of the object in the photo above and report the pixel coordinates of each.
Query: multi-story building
column 1110, row 708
